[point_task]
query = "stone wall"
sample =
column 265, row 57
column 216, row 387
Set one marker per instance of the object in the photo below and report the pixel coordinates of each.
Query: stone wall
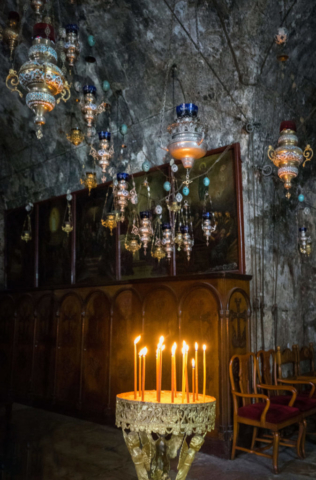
column 226, row 63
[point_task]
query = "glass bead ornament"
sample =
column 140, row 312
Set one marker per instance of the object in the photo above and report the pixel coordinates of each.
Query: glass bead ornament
column 174, row 168
column 179, row 197
column 186, row 191
column 301, row 197
column 146, row 166
column 158, row 210
column 91, row 40
column 106, row 86
column 206, row 181
column 167, row 186
column 124, row 129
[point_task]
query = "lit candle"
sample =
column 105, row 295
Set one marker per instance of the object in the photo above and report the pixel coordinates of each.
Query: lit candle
column 135, row 365
column 157, row 372
column 183, row 372
column 175, row 370
column 140, row 373
column 193, row 379
column 186, row 374
column 173, row 351
column 158, row 367
column 144, row 352
column 160, row 371
column 204, row 372
column 196, row 372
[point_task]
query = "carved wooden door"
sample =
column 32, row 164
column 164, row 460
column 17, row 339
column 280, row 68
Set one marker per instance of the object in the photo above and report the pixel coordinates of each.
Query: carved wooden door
column 68, row 350
column 96, row 353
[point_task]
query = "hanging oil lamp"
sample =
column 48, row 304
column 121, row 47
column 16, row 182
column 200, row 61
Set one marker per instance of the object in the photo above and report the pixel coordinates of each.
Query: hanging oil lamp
column 132, row 243
column 157, row 250
column 68, row 225
column 187, row 242
column 208, row 226
column 40, row 75
column 37, row 6
column 75, row 136
column 121, row 192
column 90, row 181
column 305, row 242
column 167, row 239
column 145, row 229
column 111, row 221
column 71, row 45
column 27, row 226
column 187, row 135
column 288, row 156
column 89, row 108
column 105, row 152
column 11, row 32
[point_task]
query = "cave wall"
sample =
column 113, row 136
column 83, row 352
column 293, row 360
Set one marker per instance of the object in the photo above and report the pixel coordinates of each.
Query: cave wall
column 226, row 63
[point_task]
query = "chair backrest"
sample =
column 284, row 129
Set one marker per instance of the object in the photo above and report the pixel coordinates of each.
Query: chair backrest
column 288, row 360
column 266, row 366
column 305, row 358
column 242, row 374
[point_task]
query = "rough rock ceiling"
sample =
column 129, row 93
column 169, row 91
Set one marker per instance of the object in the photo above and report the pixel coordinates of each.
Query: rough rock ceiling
column 226, row 63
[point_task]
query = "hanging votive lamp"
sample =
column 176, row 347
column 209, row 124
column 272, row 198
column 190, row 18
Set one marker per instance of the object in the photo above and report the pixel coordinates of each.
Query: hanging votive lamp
column 37, row 6
column 145, row 229
column 121, row 192
column 40, row 76
column 305, row 242
column 12, row 31
column 111, row 221
column 105, row 152
column 187, row 242
column 27, row 226
column 187, row 135
column 75, row 136
column 178, row 239
column 167, row 240
column 208, row 226
column 132, row 245
column 90, row 181
column 71, row 45
column 288, row 156
column 68, row 225
column 89, row 107
column 158, row 251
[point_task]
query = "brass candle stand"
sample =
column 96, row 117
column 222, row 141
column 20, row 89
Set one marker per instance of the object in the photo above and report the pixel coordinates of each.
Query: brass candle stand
column 172, row 423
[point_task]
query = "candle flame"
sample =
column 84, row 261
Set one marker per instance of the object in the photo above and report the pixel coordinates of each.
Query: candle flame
column 137, row 340
column 193, row 363
column 175, row 345
column 145, row 351
column 204, row 347
column 183, row 350
column 161, row 340
column 173, row 349
column 163, row 347
column 187, row 347
column 196, row 346
column 184, row 344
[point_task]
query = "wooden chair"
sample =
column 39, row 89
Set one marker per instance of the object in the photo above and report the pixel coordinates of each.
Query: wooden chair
column 303, row 356
column 269, row 372
column 262, row 413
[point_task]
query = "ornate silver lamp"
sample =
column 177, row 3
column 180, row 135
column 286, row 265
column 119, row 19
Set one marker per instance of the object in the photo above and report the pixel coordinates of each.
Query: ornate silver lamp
column 105, row 151
column 71, row 45
column 187, row 135
column 145, row 230
column 305, row 242
column 167, row 239
column 89, row 108
column 208, row 226
column 40, row 76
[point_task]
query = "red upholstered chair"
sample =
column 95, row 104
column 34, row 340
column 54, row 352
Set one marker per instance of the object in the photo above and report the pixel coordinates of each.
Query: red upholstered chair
column 305, row 361
column 269, row 372
column 251, row 408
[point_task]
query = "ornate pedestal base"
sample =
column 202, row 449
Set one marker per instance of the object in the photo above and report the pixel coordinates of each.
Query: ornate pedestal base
column 170, row 423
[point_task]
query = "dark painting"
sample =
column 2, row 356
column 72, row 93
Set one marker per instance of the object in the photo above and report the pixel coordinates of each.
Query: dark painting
column 95, row 246
column 20, row 254
column 53, row 243
column 222, row 252
column 141, row 265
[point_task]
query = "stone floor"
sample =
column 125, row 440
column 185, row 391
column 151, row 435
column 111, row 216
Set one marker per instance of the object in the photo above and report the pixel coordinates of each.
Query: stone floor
column 47, row 446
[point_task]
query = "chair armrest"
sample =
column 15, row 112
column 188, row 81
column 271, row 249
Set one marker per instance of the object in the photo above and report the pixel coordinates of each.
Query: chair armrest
column 282, row 388
column 256, row 395
column 299, row 382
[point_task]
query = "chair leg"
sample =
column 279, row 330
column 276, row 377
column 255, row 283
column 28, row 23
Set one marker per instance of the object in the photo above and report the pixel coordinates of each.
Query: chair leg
column 276, row 440
column 254, row 436
column 235, row 436
column 303, row 439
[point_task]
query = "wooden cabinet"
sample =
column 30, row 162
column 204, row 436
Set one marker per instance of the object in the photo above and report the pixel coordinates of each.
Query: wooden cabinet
column 73, row 348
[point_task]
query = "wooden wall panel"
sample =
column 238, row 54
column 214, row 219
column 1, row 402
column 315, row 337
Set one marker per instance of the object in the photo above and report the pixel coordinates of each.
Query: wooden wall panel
column 200, row 323
column 7, row 319
column 44, row 347
column 96, row 352
column 126, row 326
column 239, row 319
column 160, row 318
column 69, row 350
column 23, row 349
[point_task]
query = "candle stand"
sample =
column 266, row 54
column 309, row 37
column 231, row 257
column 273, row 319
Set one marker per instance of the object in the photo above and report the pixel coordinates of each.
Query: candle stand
column 157, row 431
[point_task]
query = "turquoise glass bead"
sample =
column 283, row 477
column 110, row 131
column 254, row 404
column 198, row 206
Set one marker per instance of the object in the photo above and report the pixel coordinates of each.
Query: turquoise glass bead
column 186, row 191
column 91, row 40
column 146, row 166
column 206, row 181
column 167, row 186
column 106, row 86
column 301, row 197
column 124, row 129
